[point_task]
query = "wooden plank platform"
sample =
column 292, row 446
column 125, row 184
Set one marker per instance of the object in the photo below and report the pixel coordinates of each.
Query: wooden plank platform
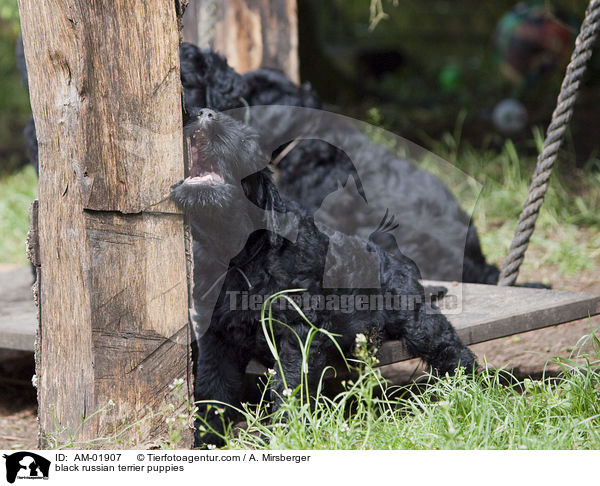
column 17, row 311
column 485, row 312
column 478, row 312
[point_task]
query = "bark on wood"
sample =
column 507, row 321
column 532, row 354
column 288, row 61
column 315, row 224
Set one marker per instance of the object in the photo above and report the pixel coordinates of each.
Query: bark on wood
column 105, row 94
column 250, row 33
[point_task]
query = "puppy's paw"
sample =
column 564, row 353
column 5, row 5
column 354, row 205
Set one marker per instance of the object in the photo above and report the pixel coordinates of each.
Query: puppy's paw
column 435, row 292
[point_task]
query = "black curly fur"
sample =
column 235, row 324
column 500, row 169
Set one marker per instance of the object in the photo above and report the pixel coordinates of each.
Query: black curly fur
column 268, row 263
column 432, row 226
column 433, row 229
column 208, row 80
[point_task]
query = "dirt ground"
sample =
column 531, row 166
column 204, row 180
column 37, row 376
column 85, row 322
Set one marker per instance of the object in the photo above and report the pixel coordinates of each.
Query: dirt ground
column 527, row 355
column 18, row 407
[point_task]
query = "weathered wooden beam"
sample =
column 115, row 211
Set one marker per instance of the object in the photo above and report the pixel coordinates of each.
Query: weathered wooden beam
column 106, row 98
column 250, row 33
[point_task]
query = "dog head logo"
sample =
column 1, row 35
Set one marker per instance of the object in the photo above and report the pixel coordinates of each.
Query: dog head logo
column 26, row 465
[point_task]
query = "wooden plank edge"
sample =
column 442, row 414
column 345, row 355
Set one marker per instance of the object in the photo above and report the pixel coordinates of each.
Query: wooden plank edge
column 394, row 351
column 18, row 341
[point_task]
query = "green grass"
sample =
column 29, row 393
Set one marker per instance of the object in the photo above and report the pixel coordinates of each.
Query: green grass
column 486, row 410
column 567, row 229
column 17, row 187
column 489, row 409
column 494, row 181
column 16, row 193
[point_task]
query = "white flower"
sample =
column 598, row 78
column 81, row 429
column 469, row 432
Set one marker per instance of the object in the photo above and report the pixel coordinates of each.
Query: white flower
column 34, row 381
column 111, row 403
column 287, row 392
column 211, row 446
column 361, row 339
column 344, row 427
column 177, row 382
column 170, row 420
column 271, row 371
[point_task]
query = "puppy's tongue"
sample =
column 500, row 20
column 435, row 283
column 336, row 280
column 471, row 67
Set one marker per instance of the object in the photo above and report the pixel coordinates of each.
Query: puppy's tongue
column 205, row 178
column 202, row 171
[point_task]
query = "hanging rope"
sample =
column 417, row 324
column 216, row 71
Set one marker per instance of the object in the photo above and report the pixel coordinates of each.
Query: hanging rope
column 554, row 138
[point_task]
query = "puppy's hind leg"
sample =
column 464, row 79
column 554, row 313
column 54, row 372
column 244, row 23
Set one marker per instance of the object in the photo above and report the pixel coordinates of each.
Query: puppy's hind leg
column 219, row 379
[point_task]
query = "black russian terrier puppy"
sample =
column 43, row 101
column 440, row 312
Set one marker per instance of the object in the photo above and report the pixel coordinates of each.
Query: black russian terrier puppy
column 434, row 231
column 249, row 244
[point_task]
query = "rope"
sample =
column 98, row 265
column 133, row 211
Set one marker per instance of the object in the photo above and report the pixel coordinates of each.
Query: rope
column 554, row 138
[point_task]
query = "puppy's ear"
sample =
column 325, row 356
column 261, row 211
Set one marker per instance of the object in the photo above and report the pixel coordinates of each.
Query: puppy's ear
column 260, row 190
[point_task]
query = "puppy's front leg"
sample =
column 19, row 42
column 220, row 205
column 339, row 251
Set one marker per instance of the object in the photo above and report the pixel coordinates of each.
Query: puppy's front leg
column 291, row 363
column 219, row 378
column 431, row 337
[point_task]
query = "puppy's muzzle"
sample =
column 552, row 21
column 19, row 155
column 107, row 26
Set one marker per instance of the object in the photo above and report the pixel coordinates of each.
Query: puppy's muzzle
column 206, row 116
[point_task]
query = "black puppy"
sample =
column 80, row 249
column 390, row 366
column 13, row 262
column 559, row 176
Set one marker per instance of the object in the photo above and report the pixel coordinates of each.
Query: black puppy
column 236, row 211
column 433, row 229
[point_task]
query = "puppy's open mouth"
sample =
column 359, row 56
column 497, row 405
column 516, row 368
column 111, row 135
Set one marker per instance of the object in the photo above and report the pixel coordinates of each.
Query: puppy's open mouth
column 206, row 178
column 202, row 171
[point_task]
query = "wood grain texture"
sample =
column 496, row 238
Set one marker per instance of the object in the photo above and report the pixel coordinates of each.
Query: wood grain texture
column 250, row 33
column 106, row 98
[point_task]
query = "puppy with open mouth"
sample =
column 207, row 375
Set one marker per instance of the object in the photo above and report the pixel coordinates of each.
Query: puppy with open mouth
column 250, row 241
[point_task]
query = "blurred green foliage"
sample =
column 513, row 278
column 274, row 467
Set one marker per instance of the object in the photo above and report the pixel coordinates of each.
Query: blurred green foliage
column 9, row 11
column 447, row 78
column 14, row 101
column 17, row 190
column 441, row 60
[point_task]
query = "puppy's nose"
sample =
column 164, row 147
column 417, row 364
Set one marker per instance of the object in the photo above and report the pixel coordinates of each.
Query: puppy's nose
column 205, row 115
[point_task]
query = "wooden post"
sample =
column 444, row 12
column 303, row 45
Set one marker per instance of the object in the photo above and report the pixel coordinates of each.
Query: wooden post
column 250, row 33
column 106, row 98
